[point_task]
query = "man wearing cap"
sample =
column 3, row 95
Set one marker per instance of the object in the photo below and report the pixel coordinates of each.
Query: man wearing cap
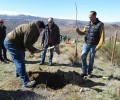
column 18, row 41
column 51, row 37
column 3, row 56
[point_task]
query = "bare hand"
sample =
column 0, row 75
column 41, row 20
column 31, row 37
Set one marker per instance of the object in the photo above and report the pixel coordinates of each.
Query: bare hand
column 56, row 46
column 31, row 55
column 37, row 51
column 77, row 30
column 97, row 49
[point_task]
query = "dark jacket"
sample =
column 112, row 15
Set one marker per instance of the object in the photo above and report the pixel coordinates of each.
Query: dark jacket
column 2, row 33
column 24, row 36
column 55, row 35
column 93, row 32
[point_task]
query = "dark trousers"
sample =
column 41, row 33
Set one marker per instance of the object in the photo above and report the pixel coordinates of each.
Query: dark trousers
column 2, row 51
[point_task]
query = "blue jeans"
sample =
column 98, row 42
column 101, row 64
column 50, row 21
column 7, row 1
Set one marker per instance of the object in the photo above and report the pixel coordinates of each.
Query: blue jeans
column 88, row 48
column 18, row 58
column 44, row 54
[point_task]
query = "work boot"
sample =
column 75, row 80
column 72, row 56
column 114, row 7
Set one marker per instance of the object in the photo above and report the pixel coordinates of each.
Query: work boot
column 29, row 84
column 6, row 59
column 50, row 63
column 83, row 75
column 2, row 60
column 41, row 63
column 90, row 76
column 17, row 75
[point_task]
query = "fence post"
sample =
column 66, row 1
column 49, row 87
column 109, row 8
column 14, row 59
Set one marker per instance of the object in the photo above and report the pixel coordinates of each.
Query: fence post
column 114, row 46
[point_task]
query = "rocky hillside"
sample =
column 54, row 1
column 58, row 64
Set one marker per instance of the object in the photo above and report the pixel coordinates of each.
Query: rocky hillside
column 66, row 26
column 13, row 21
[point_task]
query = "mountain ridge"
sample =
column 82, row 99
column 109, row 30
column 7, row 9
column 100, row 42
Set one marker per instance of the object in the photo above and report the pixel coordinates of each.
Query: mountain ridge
column 67, row 26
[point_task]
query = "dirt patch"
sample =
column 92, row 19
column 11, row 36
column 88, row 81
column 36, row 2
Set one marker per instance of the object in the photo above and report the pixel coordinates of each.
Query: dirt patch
column 56, row 80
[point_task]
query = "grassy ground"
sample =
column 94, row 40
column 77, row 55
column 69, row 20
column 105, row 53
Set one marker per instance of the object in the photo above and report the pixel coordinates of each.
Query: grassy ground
column 61, row 81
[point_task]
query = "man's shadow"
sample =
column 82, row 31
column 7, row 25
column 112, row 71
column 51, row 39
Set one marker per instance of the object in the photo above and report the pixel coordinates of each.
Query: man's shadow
column 68, row 65
column 111, row 77
column 31, row 62
column 55, row 64
column 19, row 95
column 60, row 79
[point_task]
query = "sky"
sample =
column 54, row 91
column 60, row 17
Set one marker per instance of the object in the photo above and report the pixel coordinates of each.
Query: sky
column 107, row 10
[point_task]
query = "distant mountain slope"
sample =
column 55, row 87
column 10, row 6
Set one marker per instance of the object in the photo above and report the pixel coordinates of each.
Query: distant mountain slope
column 15, row 20
column 66, row 26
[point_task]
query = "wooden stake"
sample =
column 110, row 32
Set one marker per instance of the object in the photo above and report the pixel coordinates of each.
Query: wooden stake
column 76, row 52
column 119, row 92
column 114, row 46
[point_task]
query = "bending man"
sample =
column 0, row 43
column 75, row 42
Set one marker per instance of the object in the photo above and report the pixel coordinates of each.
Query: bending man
column 19, row 40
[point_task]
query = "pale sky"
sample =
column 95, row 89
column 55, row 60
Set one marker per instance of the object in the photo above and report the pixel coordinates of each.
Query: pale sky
column 107, row 10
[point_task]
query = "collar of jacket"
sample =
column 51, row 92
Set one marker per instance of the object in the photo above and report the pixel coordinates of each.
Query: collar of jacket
column 3, row 27
column 52, row 25
column 96, row 21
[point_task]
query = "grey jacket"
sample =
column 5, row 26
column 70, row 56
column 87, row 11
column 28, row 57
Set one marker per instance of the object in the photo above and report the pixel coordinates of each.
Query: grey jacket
column 55, row 34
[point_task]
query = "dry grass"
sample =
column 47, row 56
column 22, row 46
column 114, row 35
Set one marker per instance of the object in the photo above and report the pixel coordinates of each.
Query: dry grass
column 51, row 76
column 106, row 52
column 74, row 59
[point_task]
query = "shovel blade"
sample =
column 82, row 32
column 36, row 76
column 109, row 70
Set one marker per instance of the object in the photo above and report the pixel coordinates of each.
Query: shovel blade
column 57, row 49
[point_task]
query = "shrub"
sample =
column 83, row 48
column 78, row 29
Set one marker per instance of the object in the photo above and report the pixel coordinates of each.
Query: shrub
column 106, row 51
column 74, row 60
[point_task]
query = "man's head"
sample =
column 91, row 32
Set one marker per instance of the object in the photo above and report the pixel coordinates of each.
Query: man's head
column 40, row 25
column 1, row 22
column 92, row 15
column 50, row 22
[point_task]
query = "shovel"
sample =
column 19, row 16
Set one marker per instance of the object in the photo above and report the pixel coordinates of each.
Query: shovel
column 56, row 49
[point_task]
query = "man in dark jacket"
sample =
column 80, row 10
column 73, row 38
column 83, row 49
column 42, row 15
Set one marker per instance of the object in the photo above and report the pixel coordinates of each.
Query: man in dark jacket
column 51, row 37
column 19, row 40
column 3, row 56
column 94, row 38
